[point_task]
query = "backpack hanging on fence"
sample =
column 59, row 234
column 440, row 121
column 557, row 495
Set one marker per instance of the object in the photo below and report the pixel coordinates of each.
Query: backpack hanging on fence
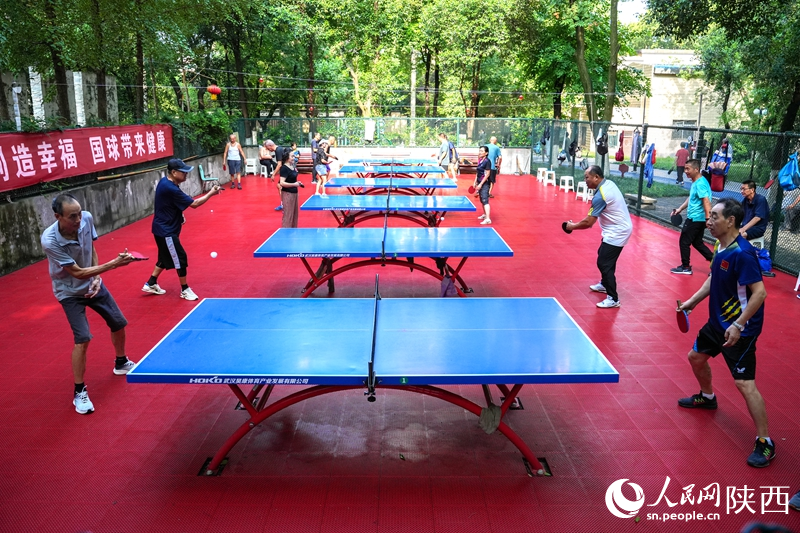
column 764, row 260
column 718, row 167
column 789, row 176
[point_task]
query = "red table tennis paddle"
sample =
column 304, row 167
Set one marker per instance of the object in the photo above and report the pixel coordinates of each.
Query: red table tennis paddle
column 471, row 189
column 138, row 257
column 682, row 318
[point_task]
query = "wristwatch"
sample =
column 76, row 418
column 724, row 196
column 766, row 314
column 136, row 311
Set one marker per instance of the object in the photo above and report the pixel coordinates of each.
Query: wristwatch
column 737, row 326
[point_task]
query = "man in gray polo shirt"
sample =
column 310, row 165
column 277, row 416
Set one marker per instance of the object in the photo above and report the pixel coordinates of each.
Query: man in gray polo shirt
column 75, row 271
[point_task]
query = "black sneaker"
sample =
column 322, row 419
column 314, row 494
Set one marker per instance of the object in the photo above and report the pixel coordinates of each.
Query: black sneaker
column 240, row 187
column 698, row 401
column 233, row 185
column 680, row 269
column 763, row 453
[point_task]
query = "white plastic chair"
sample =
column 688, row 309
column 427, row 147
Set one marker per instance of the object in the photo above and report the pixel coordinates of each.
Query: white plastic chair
column 541, row 174
column 758, row 242
column 263, row 172
column 566, row 183
column 550, row 178
column 250, row 166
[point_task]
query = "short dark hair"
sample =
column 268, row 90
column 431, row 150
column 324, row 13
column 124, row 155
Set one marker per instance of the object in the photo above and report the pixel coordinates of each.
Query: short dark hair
column 442, row 134
column 60, row 200
column 732, row 208
column 485, row 148
column 694, row 163
column 285, row 155
column 596, row 170
column 750, row 184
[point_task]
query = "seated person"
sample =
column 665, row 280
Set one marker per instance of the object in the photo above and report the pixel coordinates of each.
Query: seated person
column 756, row 212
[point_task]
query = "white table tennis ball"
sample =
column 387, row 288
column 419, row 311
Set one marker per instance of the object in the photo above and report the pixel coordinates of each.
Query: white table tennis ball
column 212, row 210
column 213, row 255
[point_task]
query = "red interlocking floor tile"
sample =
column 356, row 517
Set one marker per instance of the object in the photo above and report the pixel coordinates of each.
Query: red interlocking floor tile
column 407, row 462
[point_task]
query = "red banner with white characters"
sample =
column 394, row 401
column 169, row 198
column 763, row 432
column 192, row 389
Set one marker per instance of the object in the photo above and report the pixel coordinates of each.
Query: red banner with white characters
column 31, row 158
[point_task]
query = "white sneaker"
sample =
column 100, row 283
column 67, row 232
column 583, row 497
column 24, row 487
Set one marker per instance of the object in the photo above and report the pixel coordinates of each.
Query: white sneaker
column 83, row 405
column 189, row 294
column 486, row 221
column 481, row 217
column 608, row 303
column 153, row 289
column 124, row 369
column 597, row 288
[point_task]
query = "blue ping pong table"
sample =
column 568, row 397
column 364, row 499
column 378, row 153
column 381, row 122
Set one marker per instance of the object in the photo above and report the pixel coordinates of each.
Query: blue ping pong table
column 349, row 210
column 396, row 171
column 401, row 161
column 413, row 345
column 415, row 186
column 384, row 246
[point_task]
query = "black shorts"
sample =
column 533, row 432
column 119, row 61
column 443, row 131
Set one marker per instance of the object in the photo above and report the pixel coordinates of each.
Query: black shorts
column 170, row 253
column 741, row 357
column 493, row 176
column 103, row 304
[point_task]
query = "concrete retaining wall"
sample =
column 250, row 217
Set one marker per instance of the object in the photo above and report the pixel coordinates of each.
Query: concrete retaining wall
column 114, row 203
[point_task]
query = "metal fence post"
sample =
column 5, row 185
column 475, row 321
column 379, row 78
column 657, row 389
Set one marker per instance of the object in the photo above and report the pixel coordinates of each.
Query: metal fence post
column 641, row 172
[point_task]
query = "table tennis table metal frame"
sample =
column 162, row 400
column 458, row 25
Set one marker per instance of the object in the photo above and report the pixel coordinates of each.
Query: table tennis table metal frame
column 259, row 410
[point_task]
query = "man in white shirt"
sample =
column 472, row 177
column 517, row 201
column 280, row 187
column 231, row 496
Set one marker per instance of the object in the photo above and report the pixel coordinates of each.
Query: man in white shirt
column 608, row 206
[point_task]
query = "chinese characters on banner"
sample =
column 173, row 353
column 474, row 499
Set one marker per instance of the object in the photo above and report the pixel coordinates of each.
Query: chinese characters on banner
column 31, row 158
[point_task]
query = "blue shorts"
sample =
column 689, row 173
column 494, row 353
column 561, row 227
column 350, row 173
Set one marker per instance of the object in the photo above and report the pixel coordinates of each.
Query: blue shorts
column 103, row 304
column 234, row 167
column 322, row 170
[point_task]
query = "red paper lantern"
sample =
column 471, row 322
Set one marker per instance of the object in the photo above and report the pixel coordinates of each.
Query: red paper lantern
column 521, row 97
column 260, row 80
column 214, row 91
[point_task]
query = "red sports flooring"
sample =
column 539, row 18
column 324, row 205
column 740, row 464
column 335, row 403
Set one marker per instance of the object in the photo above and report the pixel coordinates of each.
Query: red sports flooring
column 334, row 463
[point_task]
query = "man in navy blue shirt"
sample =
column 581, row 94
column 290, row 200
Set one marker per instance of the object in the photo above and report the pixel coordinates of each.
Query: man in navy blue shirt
column 735, row 317
column 756, row 212
column 170, row 202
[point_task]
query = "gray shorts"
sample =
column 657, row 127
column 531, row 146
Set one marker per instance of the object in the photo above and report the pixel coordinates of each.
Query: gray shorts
column 103, row 304
column 234, row 167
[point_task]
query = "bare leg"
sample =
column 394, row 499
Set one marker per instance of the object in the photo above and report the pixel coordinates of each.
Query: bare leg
column 755, row 404
column 79, row 361
column 702, row 370
column 486, row 211
column 118, row 340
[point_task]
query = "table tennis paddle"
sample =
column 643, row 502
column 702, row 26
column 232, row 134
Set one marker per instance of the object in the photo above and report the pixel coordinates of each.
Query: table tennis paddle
column 564, row 227
column 138, row 257
column 682, row 318
column 302, row 186
column 676, row 219
column 471, row 189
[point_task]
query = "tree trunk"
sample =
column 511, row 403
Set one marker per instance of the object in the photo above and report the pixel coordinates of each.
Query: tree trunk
column 138, row 81
column 176, row 88
column 100, row 70
column 238, row 65
column 311, row 73
column 59, row 69
column 789, row 117
column 583, row 72
column 4, row 115
column 725, row 102
column 613, row 45
column 427, row 59
column 474, row 95
column 558, row 89
column 201, row 103
column 436, row 83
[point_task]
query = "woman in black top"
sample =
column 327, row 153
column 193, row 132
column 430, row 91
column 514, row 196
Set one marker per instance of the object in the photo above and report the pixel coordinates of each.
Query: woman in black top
column 289, row 184
column 320, row 163
column 481, row 187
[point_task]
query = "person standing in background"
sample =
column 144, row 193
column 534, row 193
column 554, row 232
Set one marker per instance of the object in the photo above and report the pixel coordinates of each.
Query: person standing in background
column 681, row 156
column 234, row 157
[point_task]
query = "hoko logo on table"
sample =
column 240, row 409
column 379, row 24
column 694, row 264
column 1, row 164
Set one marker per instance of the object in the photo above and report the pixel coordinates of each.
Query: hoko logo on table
column 738, row 500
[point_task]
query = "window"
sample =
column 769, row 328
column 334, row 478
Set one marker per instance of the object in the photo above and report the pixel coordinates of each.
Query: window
column 683, row 134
